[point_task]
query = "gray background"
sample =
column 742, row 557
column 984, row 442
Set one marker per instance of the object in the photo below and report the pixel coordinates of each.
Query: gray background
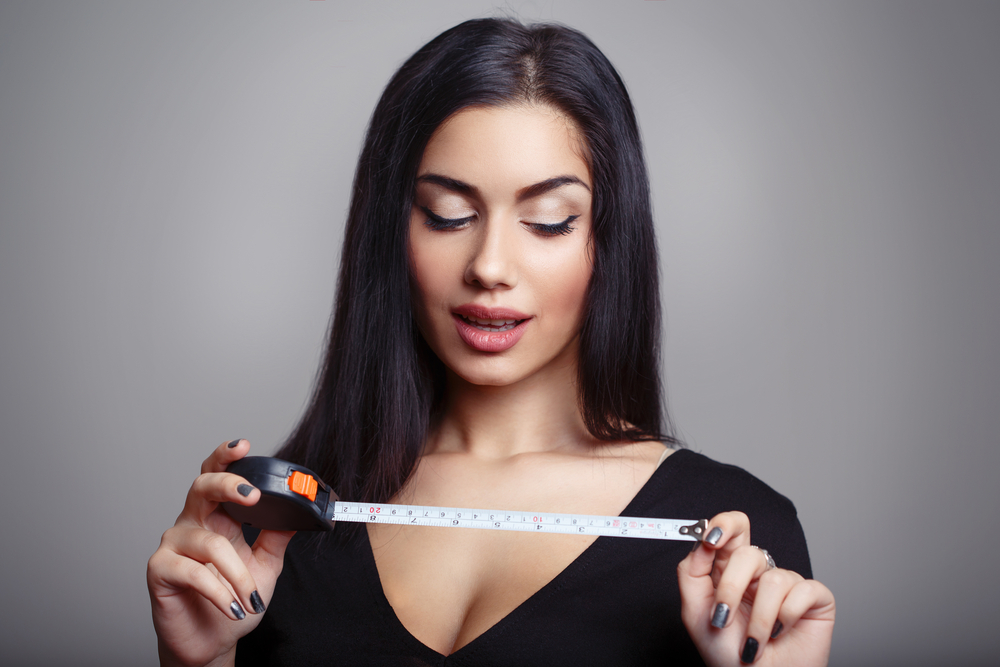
column 173, row 183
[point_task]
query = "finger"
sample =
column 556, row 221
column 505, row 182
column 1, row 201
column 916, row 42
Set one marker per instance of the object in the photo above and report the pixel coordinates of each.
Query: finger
column 269, row 549
column 205, row 546
column 171, row 570
column 210, row 489
column 807, row 599
column 225, row 454
column 697, row 592
column 694, row 579
column 268, row 554
column 268, row 558
column 772, row 588
column 745, row 565
column 726, row 532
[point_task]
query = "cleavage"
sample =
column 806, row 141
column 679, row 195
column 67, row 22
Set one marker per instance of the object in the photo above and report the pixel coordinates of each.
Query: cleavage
column 449, row 586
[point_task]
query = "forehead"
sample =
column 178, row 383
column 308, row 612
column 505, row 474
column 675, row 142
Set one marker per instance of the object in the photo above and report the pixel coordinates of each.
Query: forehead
column 511, row 146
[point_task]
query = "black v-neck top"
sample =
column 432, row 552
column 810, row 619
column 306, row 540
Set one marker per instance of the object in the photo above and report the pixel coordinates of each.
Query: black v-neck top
column 617, row 604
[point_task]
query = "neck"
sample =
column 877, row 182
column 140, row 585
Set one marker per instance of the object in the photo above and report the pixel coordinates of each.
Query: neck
column 539, row 413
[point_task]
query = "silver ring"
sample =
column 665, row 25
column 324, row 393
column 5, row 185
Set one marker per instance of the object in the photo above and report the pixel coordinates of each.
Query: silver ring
column 770, row 561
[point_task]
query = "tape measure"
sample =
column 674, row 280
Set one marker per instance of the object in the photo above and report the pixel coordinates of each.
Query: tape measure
column 295, row 498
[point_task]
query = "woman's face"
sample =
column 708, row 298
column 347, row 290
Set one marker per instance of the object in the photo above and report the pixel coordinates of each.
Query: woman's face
column 500, row 242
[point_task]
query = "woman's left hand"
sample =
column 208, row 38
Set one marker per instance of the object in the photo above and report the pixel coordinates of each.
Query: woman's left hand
column 738, row 611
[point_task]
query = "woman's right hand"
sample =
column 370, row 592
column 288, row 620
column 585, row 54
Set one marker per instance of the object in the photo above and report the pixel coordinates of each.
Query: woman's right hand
column 208, row 587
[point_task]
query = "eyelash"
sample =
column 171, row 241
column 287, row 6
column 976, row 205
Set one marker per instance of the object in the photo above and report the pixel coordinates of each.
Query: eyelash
column 437, row 223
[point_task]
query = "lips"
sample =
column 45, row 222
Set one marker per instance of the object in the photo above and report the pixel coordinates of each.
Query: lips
column 490, row 329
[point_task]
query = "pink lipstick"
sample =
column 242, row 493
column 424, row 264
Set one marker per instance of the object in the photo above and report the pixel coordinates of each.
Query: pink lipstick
column 490, row 329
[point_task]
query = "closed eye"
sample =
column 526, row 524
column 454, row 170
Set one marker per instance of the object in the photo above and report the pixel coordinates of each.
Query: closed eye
column 437, row 223
column 558, row 229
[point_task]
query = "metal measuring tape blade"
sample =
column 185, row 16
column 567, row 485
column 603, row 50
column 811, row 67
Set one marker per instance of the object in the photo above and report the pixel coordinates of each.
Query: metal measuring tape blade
column 295, row 498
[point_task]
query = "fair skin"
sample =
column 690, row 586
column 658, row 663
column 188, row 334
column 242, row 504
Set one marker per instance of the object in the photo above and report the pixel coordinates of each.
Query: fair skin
column 512, row 435
column 501, row 256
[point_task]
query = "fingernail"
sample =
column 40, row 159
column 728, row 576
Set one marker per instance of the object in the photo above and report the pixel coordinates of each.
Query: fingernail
column 244, row 489
column 258, row 604
column 778, row 627
column 237, row 611
column 234, row 443
column 749, row 651
column 714, row 536
column 721, row 615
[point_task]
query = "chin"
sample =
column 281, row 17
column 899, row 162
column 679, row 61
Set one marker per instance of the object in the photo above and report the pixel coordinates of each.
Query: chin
column 488, row 377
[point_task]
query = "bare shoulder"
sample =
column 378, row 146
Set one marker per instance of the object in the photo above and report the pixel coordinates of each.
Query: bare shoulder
column 617, row 471
column 641, row 454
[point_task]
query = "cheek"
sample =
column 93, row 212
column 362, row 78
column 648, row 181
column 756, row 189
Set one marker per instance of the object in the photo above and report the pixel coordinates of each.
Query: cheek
column 562, row 280
column 432, row 268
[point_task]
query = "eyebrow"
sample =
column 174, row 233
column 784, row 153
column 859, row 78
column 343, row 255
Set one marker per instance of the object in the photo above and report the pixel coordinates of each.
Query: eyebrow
column 529, row 192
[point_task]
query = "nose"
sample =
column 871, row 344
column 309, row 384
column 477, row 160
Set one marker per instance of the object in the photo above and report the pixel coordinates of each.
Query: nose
column 493, row 262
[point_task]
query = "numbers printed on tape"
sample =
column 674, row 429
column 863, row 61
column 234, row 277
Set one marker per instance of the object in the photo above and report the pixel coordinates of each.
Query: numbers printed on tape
column 615, row 526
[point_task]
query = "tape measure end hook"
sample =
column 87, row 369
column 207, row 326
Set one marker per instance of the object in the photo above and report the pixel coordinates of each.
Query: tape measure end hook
column 695, row 530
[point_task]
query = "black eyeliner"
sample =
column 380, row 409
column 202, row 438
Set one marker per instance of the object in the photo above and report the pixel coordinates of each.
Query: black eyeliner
column 558, row 229
column 436, row 222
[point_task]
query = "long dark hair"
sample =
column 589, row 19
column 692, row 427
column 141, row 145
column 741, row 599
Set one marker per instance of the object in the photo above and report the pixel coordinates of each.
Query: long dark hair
column 380, row 384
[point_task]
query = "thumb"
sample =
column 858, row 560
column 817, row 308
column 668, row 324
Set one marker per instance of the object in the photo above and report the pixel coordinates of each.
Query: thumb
column 269, row 551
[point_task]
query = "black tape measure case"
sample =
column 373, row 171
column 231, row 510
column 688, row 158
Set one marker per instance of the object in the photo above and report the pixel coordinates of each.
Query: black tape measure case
column 292, row 496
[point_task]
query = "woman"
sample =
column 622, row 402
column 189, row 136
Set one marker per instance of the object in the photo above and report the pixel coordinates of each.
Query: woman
column 495, row 344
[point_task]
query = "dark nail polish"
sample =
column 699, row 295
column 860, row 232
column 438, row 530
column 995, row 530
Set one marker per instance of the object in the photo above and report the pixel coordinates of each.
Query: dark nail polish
column 244, row 489
column 714, row 536
column 749, row 651
column 778, row 627
column 237, row 611
column 721, row 615
column 234, row 443
column 258, row 604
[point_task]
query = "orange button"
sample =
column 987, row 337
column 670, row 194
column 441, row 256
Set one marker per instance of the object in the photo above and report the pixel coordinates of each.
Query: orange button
column 303, row 484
